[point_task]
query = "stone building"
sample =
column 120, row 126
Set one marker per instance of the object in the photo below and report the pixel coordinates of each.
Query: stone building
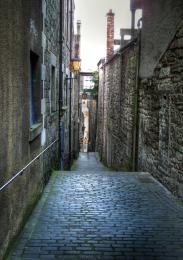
column 88, row 109
column 140, row 117
column 116, row 103
column 67, row 82
column 85, row 123
column 92, row 107
column 88, row 123
column 76, row 95
column 34, row 66
column 70, row 86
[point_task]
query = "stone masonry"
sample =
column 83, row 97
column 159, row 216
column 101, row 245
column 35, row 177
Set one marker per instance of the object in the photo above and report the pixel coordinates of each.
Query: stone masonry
column 116, row 108
column 161, row 118
column 140, row 118
column 51, row 50
column 28, row 29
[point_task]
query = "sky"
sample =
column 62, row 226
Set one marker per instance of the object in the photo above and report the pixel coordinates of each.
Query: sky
column 92, row 14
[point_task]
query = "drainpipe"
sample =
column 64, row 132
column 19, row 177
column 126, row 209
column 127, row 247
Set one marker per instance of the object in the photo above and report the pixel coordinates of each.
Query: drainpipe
column 60, row 101
column 136, row 112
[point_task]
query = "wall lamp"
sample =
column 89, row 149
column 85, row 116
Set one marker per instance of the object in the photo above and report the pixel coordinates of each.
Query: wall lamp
column 75, row 65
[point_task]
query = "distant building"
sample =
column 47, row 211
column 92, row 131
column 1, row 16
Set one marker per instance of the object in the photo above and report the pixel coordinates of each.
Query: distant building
column 88, row 106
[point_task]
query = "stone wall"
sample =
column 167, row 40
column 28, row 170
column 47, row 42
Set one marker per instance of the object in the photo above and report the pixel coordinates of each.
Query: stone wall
column 21, row 32
column 75, row 118
column 100, row 110
column 150, row 110
column 92, row 106
column 50, row 61
column 116, row 108
column 159, row 22
column 69, row 91
column 161, row 118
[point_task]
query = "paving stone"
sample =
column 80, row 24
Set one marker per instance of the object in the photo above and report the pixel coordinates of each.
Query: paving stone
column 94, row 213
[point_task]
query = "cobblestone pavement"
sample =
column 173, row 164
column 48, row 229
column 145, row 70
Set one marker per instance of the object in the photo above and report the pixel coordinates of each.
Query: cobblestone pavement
column 92, row 213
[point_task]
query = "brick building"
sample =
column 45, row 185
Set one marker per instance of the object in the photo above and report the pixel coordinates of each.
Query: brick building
column 140, row 96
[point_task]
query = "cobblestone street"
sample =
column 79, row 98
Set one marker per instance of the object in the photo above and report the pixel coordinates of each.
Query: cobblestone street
column 93, row 213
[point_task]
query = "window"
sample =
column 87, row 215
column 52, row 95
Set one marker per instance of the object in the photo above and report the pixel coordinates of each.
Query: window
column 66, row 90
column 67, row 29
column 34, row 90
column 53, row 89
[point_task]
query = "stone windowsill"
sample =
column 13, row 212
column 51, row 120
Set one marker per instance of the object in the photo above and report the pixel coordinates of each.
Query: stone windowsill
column 35, row 131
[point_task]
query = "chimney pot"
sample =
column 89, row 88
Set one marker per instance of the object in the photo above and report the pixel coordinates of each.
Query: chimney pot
column 110, row 34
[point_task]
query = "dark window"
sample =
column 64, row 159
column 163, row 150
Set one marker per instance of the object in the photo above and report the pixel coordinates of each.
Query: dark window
column 66, row 91
column 53, row 90
column 68, row 17
column 34, row 90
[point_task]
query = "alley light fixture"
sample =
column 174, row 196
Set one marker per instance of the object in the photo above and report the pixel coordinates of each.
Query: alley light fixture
column 75, row 64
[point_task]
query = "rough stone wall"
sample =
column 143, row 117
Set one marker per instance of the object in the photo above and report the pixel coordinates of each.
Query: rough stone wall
column 160, row 19
column 116, row 109
column 100, row 110
column 161, row 118
column 16, row 151
column 68, row 86
column 105, row 115
column 92, row 106
column 51, row 52
column 113, row 111
column 75, row 118
column 21, row 31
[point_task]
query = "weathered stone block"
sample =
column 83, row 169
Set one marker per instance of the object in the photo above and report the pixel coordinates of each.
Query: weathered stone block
column 179, row 53
column 164, row 72
column 179, row 34
column 177, row 43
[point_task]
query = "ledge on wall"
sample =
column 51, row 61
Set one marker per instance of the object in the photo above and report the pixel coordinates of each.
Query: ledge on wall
column 35, row 131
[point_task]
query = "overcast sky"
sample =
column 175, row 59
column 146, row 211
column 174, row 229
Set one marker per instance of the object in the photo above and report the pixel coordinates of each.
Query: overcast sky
column 92, row 14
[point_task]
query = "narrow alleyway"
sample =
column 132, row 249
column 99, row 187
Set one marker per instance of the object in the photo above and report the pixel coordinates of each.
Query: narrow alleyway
column 93, row 213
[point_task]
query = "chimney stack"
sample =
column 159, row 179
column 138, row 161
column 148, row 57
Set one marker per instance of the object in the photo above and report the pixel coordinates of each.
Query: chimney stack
column 110, row 34
column 78, row 40
column 78, row 27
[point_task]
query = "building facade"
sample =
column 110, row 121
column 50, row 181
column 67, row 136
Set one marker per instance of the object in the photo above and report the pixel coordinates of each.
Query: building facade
column 140, row 97
column 70, row 87
column 35, row 52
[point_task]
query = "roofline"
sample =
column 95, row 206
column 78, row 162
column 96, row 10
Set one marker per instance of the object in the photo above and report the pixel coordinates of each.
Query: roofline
column 122, row 50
